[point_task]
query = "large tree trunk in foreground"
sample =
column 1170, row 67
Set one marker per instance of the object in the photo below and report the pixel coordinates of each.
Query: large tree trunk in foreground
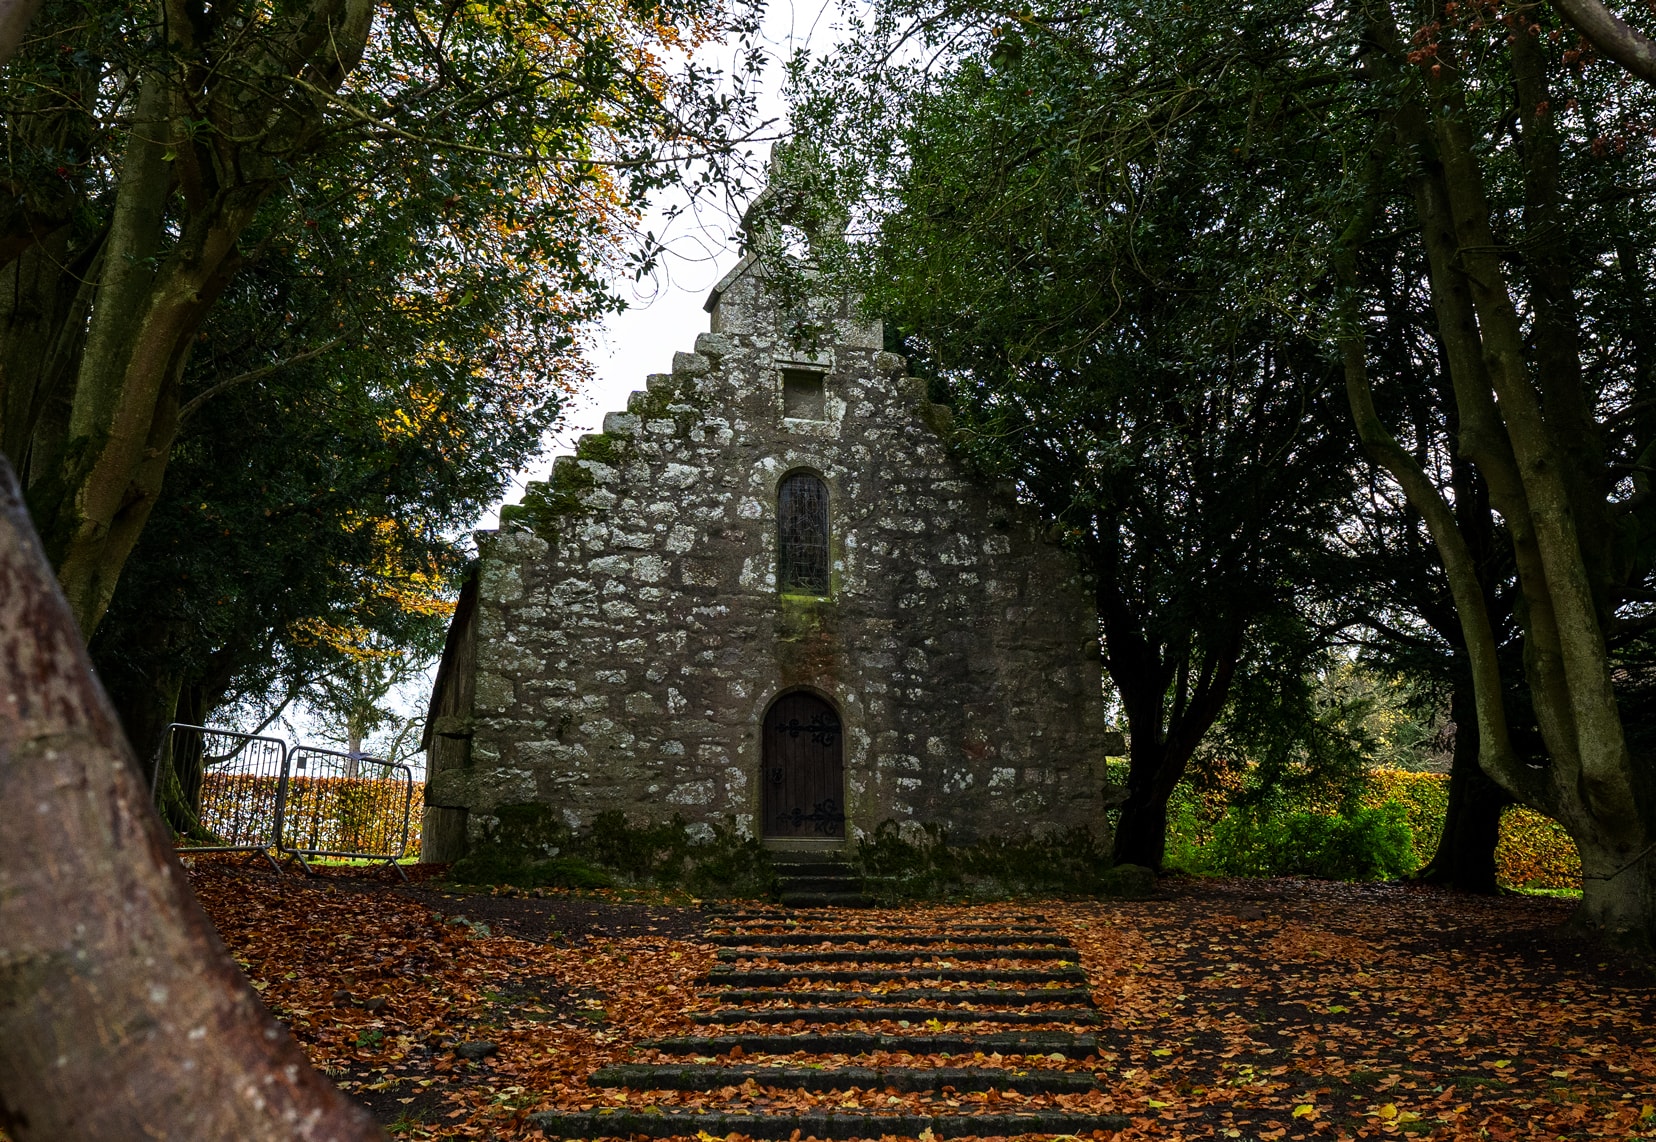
column 121, row 1013
column 14, row 20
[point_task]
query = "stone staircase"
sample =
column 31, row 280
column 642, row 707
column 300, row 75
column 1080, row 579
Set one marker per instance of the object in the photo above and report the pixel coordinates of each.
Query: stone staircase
column 867, row 990
column 817, row 878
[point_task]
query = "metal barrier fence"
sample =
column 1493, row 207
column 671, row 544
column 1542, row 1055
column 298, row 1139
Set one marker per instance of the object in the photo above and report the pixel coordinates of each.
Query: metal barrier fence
column 345, row 805
column 223, row 791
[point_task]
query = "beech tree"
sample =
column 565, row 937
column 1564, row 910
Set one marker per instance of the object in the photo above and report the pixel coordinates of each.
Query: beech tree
column 1520, row 165
column 361, row 395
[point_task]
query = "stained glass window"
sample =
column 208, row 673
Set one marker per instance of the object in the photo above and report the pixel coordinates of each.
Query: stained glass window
column 802, row 535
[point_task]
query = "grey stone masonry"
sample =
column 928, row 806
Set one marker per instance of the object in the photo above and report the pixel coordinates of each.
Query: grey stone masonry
column 629, row 634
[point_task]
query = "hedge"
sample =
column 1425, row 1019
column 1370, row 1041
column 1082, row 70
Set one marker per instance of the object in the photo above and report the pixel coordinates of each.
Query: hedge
column 1208, row 834
column 1534, row 851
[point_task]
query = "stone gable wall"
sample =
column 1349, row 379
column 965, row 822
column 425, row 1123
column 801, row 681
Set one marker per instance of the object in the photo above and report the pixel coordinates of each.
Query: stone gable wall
column 629, row 636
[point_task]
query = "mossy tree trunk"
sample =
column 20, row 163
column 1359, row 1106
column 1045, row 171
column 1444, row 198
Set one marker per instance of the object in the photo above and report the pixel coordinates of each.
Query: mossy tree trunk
column 95, row 347
column 1526, row 421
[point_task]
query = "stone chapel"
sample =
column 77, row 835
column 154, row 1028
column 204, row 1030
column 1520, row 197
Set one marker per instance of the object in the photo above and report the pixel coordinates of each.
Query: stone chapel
column 767, row 593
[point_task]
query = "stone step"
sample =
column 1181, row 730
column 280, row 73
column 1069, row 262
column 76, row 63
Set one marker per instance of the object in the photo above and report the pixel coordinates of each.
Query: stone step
column 834, row 1125
column 825, row 899
column 905, row 1080
column 1004, row 997
column 952, row 975
column 917, row 1015
column 819, row 882
column 794, row 939
column 805, row 922
column 1013, row 1044
column 777, row 916
column 899, row 955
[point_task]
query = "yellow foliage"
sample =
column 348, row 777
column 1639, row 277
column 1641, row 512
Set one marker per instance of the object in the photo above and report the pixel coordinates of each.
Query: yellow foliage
column 1534, row 851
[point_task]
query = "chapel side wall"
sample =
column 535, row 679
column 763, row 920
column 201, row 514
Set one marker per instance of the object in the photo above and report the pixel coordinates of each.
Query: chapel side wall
column 630, row 638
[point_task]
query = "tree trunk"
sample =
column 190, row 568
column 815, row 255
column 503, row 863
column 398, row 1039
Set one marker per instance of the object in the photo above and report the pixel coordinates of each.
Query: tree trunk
column 121, row 1013
column 1539, row 468
column 1617, row 894
column 1141, row 831
column 1465, row 857
column 14, row 21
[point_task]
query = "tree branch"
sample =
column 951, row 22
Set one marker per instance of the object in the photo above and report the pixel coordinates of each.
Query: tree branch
column 1613, row 36
column 202, row 398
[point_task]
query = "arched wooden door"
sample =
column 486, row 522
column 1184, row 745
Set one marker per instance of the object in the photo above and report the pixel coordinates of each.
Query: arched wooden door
column 804, row 769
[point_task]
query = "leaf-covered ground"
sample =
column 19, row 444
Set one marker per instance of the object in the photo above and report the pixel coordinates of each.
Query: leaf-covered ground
column 1231, row 1009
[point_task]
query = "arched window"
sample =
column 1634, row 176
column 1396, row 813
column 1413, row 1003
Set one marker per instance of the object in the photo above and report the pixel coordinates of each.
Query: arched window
column 802, row 535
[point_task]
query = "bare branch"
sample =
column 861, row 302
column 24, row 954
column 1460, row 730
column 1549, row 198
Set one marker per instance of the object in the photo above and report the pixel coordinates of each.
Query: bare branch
column 202, row 398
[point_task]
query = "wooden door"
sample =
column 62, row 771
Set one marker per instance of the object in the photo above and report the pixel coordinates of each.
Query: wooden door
column 804, row 769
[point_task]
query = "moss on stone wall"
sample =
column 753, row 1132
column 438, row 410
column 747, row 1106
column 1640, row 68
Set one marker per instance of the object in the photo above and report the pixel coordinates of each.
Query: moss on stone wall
column 929, row 867
column 530, row 846
column 603, row 447
column 548, row 506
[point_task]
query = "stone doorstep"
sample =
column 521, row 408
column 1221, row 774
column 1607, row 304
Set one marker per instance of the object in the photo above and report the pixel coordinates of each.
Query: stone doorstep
column 782, row 848
column 790, row 939
column 837, row 1126
column 916, row 1015
column 1008, row 996
column 952, row 975
column 1014, row 1045
column 897, row 955
column 904, row 1080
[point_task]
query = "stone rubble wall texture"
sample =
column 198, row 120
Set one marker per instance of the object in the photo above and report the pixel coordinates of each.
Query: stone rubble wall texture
column 630, row 636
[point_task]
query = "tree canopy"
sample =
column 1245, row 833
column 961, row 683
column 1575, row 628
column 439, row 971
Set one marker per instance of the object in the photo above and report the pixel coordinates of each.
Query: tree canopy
column 449, row 183
column 1116, row 302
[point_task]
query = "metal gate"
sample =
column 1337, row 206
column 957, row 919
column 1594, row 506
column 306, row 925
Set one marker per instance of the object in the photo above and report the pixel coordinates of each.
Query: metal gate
column 346, row 805
column 239, row 780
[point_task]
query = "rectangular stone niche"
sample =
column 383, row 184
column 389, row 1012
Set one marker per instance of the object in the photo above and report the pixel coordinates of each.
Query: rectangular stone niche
column 802, row 395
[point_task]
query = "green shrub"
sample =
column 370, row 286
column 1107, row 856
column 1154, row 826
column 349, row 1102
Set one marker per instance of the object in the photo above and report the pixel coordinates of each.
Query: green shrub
column 1364, row 843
